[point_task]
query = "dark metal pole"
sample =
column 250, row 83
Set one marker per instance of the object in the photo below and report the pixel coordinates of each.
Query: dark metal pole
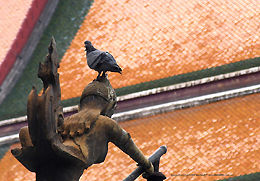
column 154, row 157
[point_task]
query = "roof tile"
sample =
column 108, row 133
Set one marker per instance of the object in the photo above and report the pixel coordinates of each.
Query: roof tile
column 217, row 138
column 157, row 39
column 12, row 15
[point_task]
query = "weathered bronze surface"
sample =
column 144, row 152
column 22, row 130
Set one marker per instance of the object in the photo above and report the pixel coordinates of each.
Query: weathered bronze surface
column 43, row 151
column 58, row 148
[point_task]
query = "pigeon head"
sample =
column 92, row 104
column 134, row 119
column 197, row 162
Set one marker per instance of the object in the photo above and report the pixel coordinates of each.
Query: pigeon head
column 89, row 47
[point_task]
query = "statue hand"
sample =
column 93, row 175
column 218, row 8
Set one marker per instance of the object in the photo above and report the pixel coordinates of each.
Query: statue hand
column 148, row 167
column 148, row 172
column 72, row 128
column 155, row 176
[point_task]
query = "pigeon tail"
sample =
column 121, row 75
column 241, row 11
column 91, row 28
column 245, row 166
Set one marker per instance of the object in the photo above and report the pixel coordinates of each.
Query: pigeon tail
column 115, row 68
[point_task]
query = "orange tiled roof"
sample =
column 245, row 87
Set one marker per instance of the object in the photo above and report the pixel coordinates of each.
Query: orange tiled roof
column 12, row 14
column 218, row 138
column 156, row 39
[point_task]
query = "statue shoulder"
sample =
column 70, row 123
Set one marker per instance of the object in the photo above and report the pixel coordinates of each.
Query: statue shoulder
column 106, row 121
column 112, row 128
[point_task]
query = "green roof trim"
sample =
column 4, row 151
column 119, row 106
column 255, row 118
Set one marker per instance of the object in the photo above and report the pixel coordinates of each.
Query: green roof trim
column 227, row 68
column 3, row 149
column 63, row 25
column 245, row 64
column 248, row 177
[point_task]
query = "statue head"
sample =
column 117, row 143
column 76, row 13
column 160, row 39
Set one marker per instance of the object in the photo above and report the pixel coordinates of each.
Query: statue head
column 101, row 93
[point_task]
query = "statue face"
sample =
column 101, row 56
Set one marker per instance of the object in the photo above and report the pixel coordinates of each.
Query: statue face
column 110, row 109
column 110, row 113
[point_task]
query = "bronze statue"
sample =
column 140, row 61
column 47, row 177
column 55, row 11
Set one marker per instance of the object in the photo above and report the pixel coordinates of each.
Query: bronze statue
column 58, row 148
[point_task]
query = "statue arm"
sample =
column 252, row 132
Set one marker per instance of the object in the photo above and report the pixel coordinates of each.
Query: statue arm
column 123, row 140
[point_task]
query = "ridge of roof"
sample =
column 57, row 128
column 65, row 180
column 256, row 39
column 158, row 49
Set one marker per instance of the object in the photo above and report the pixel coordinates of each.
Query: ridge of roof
column 63, row 26
column 24, row 56
column 22, row 36
column 150, row 110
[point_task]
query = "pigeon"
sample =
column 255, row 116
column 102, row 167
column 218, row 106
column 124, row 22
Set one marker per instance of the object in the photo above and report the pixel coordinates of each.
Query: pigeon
column 100, row 61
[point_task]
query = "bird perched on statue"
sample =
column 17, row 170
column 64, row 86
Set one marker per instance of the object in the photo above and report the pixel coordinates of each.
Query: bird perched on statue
column 100, row 61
